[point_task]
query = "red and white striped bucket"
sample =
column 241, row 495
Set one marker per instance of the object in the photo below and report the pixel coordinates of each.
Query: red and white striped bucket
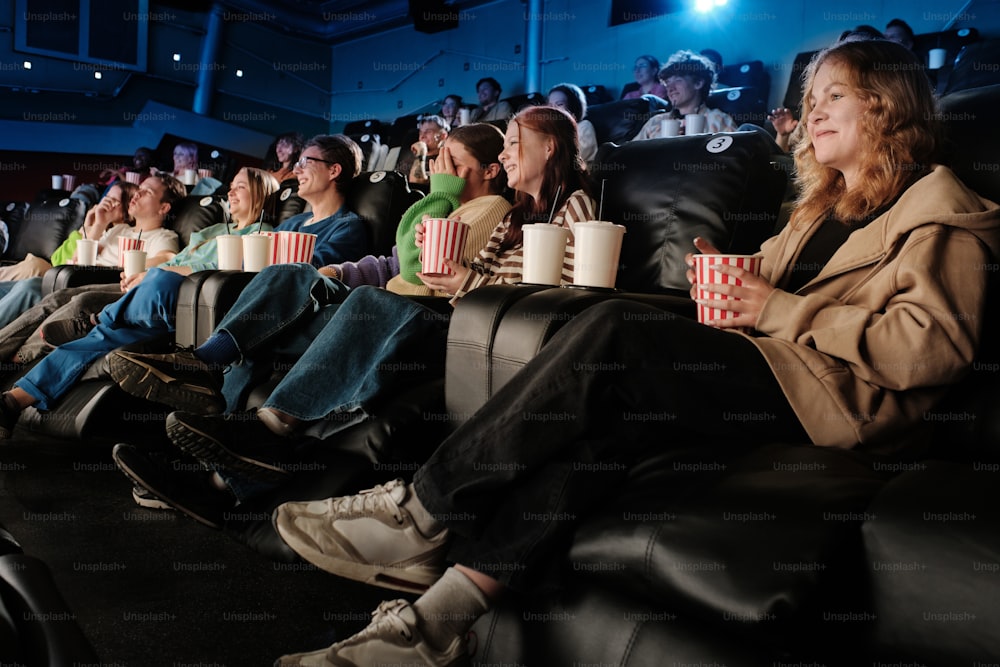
column 443, row 239
column 705, row 275
column 129, row 243
column 291, row 247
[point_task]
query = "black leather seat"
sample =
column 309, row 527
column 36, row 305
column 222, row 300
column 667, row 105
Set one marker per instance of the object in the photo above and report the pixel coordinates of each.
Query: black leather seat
column 95, row 406
column 619, row 121
column 47, row 223
column 37, row 628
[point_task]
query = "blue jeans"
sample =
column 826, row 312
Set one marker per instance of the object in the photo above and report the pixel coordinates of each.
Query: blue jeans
column 142, row 314
column 376, row 342
column 17, row 296
column 279, row 312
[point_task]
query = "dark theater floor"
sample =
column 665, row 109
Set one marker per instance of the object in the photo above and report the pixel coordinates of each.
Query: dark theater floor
column 152, row 588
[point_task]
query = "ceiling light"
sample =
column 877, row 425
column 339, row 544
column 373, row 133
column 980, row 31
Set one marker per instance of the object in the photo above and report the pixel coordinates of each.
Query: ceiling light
column 239, row 73
column 27, row 64
column 97, row 75
column 177, row 57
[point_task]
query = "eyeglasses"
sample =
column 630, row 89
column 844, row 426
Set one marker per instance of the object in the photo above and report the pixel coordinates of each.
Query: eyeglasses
column 304, row 160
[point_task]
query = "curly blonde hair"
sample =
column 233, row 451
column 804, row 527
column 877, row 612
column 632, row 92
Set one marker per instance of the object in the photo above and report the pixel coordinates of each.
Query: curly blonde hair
column 900, row 131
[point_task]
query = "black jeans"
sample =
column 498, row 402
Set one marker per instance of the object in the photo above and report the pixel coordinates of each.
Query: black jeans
column 621, row 381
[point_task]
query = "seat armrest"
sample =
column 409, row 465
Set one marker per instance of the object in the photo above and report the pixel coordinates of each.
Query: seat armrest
column 497, row 329
column 72, row 275
column 203, row 299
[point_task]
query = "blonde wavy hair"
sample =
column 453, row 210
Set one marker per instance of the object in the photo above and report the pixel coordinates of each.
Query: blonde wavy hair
column 900, row 133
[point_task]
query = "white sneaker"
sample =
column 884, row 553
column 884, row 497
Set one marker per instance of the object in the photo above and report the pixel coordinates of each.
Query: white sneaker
column 144, row 498
column 368, row 537
column 392, row 638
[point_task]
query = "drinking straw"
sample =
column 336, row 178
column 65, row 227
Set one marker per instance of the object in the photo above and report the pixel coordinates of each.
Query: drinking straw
column 260, row 223
column 555, row 200
column 600, row 202
column 139, row 237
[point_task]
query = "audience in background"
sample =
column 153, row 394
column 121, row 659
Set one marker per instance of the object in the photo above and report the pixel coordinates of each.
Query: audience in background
column 433, row 130
column 450, row 110
column 571, row 98
column 899, row 31
column 645, row 71
column 490, row 107
column 716, row 58
column 282, row 155
column 688, row 78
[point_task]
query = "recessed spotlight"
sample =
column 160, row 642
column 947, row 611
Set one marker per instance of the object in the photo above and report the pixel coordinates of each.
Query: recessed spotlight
column 97, row 75
column 703, row 5
column 27, row 64
column 177, row 57
column 239, row 73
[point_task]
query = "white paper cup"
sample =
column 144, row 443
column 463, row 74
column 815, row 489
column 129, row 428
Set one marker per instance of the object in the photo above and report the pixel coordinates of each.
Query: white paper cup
column 444, row 239
column 256, row 251
column 705, row 275
column 135, row 262
column 69, row 182
column 230, row 251
column 544, row 252
column 294, row 247
column 597, row 247
column 126, row 243
column 132, row 177
column 694, row 123
column 463, row 116
column 670, row 127
column 189, row 177
column 57, row 182
column 204, row 173
column 86, row 252
column 935, row 58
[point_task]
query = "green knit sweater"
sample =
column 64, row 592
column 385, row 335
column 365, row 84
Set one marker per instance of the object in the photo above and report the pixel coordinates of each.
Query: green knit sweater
column 442, row 200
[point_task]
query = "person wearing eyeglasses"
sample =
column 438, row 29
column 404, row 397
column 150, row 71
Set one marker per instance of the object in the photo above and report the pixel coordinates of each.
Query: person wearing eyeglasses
column 645, row 70
column 324, row 169
column 433, row 131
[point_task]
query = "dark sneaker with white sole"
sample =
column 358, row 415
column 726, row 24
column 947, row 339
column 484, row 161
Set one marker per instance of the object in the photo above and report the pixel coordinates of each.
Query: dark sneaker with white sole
column 238, row 441
column 180, row 380
column 183, row 485
column 60, row 332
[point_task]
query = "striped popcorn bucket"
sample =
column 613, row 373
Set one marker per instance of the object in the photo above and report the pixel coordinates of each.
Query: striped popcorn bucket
column 126, row 243
column 443, row 239
column 292, row 247
column 705, row 275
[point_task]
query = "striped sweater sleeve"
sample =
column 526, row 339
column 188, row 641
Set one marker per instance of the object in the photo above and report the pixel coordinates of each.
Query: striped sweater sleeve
column 493, row 266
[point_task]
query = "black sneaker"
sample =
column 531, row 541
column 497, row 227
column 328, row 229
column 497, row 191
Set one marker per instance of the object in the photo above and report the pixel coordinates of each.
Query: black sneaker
column 60, row 332
column 181, row 484
column 9, row 417
column 180, row 380
column 238, row 441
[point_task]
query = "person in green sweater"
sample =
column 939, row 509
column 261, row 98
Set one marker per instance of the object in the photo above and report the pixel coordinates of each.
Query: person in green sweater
column 467, row 183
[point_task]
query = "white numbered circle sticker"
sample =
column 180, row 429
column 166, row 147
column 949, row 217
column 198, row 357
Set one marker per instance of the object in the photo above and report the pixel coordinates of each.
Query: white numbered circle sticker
column 63, row 203
column 285, row 194
column 719, row 144
column 205, row 201
column 376, row 176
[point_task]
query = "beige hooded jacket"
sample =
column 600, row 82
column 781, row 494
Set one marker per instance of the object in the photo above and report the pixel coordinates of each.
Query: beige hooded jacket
column 868, row 346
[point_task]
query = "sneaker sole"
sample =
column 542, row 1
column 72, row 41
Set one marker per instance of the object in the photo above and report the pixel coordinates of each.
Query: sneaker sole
column 413, row 579
column 137, row 478
column 206, row 448
column 143, row 498
column 145, row 381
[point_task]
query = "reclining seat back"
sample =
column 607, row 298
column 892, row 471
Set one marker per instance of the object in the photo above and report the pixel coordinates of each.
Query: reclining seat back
column 12, row 216
column 47, row 223
column 286, row 202
column 725, row 188
column 619, row 121
column 380, row 198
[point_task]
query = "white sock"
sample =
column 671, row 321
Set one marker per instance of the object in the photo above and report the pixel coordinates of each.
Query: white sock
column 449, row 608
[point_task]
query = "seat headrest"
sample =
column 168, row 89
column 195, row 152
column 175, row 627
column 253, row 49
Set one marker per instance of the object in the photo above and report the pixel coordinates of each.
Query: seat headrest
column 723, row 187
column 380, row 198
column 194, row 213
column 969, row 120
column 621, row 120
column 47, row 223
